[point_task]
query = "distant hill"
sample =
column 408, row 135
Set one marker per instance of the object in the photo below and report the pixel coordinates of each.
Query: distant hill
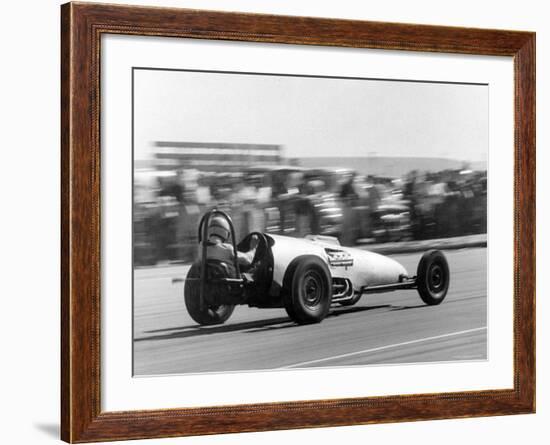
column 389, row 166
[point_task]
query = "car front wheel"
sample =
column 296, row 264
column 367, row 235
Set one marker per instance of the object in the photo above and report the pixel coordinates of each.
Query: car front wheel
column 433, row 277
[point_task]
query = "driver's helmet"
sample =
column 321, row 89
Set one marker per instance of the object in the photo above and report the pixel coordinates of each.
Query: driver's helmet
column 219, row 227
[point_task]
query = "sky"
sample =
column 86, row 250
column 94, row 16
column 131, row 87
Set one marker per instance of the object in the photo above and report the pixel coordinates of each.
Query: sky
column 312, row 116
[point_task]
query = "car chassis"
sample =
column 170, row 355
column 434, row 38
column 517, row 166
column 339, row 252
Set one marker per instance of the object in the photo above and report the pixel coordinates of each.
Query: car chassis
column 305, row 276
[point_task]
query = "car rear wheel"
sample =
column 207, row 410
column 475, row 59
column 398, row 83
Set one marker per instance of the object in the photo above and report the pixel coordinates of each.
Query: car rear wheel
column 308, row 291
column 209, row 314
column 433, row 277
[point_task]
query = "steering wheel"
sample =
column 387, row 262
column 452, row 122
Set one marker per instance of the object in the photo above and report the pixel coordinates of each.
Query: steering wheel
column 261, row 247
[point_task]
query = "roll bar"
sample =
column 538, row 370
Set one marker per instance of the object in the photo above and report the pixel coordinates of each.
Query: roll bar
column 203, row 240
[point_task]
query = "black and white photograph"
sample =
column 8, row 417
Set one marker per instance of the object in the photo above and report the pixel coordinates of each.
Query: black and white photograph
column 234, row 222
column 285, row 221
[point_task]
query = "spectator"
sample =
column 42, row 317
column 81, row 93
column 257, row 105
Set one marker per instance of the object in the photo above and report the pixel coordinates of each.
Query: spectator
column 349, row 197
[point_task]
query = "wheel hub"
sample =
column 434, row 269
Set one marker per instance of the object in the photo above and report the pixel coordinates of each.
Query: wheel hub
column 312, row 289
column 436, row 277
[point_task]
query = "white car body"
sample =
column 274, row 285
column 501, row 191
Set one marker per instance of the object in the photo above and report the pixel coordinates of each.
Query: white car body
column 305, row 276
column 361, row 267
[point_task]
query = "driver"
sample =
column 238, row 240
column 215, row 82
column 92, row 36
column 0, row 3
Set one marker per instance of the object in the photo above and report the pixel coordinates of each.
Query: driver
column 218, row 247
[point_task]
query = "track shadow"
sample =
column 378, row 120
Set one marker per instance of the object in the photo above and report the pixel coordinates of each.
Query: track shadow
column 271, row 324
column 195, row 330
column 446, row 303
column 343, row 310
column 404, row 308
column 248, row 327
column 335, row 312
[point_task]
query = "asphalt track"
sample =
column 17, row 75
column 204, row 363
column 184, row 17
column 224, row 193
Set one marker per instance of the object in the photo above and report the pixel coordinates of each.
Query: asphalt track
column 394, row 327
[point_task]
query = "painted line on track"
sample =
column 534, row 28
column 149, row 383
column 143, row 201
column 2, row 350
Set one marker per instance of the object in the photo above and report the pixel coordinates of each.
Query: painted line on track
column 382, row 348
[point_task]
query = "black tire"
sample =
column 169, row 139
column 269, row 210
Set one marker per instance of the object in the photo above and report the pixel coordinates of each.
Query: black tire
column 210, row 315
column 307, row 292
column 432, row 277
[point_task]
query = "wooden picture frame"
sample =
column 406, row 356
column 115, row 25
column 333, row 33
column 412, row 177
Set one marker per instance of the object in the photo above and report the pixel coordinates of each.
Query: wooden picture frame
column 82, row 25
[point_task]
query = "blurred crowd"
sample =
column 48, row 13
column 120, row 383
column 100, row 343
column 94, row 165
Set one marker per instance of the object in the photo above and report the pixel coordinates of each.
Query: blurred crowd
column 297, row 201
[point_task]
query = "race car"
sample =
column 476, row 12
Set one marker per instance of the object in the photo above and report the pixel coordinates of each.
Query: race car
column 305, row 276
